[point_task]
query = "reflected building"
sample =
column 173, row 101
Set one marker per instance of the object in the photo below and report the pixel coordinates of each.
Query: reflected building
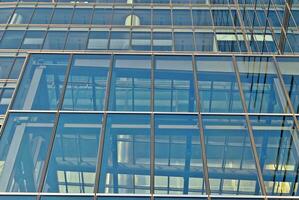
column 149, row 100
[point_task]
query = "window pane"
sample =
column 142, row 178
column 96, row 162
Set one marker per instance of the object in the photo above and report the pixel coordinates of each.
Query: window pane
column 141, row 41
column 42, row 16
column 121, row 17
column 144, row 16
column 76, row 40
column 222, row 18
column 42, row 82
column 55, row 40
column 178, row 162
column 126, row 156
column 73, row 159
column 181, row 18
column 204, row 41
column 11, row 39
column 5, row 13
column 183, row 42
column 21, row 16
column 23, row 146
column 119, row 40
column 6, row 65
column 290, row 74
column 161, row 17
column 131, row 84
column 82, row 16
column 62, row 16
column 162, row 41
column 174, row 86
column 97, row 40
column 6, row 94
column 230, row 160
column 102, row 16
column 217, row 84
column 21, row 197
column 15, row 72
column 262, row 90
column 87, row 81
column 201, row 18
column 278, row 153
column 124, row 198
column 33, row 40
column 66, row 198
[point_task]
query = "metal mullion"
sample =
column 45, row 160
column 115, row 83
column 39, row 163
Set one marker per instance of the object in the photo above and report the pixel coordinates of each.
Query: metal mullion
column 102, row 133
column 55, row 125
column 250, row 130
column 69, row 28
column 172, row 27
column 48, row 26
column 152, row 132
column 201, row 131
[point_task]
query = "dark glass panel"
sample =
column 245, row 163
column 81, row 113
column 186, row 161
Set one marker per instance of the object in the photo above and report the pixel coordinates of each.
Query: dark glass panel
column 33, row 40
column 230, row 159
column 12, row 39
column 131, row 83
column 76, row 40
column 23, row 149
column 126, row 155
column 42, row 82
column 42, row 16
column 87, row 81
column 55, row 40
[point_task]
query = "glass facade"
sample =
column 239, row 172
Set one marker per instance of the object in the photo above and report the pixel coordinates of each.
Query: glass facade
column 149, row 100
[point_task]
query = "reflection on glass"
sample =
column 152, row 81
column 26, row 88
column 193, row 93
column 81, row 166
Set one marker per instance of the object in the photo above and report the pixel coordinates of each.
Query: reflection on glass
column 174, row 86
column 97, row 40
column 76, row 40
column 217, row 84
column 131, row 83
column 87, row 81
column 119, row 40
column 33, row 40
column 178, row 163
column 141, row 41
column 73, row 159
column 230, row 160
column 277, row 144
column 126, row 155
column 162, row 41
column 183, row 42
column 23, row 148
column 262, row 89
column 290, row 73
column 55, row 40
column 42, row 82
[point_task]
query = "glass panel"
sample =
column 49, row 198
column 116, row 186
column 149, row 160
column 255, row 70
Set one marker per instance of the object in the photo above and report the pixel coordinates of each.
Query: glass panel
column 202, row 18
column 181, row 17
column 183, row 42
column 55, row 40
column 5, row 66
column 277, row 146
column 204, row 41
column 230, row 160
column 290, row 74
column 42, row 82
column 42, row 16
column 11, row 39
column 23, row 148
column 97, row 40
column 121, row 16
column 33, row 40
column 76, row 40
column 17, row 197
column 217, row 84
column 262, row 89
column 6, row 95
column 161, row 17
column 5, row 13
column 178, row 163
column 141, row 41
column 222, row 18
column 62, row 16
column 119, row 40
column 181, row 198
column 162, row 41
column 144, row 16
column 82, row 16
column 102, row 16
column 87, row 81
column 126, row 155
column 174, row 86
column 124, row 198
column 73, row 159
column 21, row 16
column 131, row 83
column 66, row 198
column 15, row 72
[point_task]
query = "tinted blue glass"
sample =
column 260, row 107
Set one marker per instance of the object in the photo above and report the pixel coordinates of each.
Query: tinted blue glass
column 42, row 82
column 119, row 40
column 131, row 83
column 126, row 155
column 222, row 18
column 289, row 70
column 17, row 197
column 6, row 64
column 62, row 16
column 86, row 85
column 181, row 198
column 5, row 14
column 217, row 84
column 102, row 16
column 97, row 40
column 6, row 95
column 33, row 40
column 183, row 42
column 262, row 90
column 204, row 41
column 178, row 163
column 74, row 155
column 23, row 148
column 66, row 198
column 227, row 42
column 41, row 16
column 120, row 17
column 230, row 160
column 174, row 86
column 162, row 41
column 82, row 16
column 181, row 17
column 11, row 39
column 15, row 72
column 76, row 40
column 161, row 17
column 202, row 18
column 141, row 41
column 143, row 15
column 124, row 198
column 55, row 40
column 21, row 16
column 276, row 142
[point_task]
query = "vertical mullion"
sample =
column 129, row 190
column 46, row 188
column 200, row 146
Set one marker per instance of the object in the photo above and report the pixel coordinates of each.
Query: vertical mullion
column 250, row 130
column 152, row 133
column 201, row 131
column 53, row 133
column 104, row 121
